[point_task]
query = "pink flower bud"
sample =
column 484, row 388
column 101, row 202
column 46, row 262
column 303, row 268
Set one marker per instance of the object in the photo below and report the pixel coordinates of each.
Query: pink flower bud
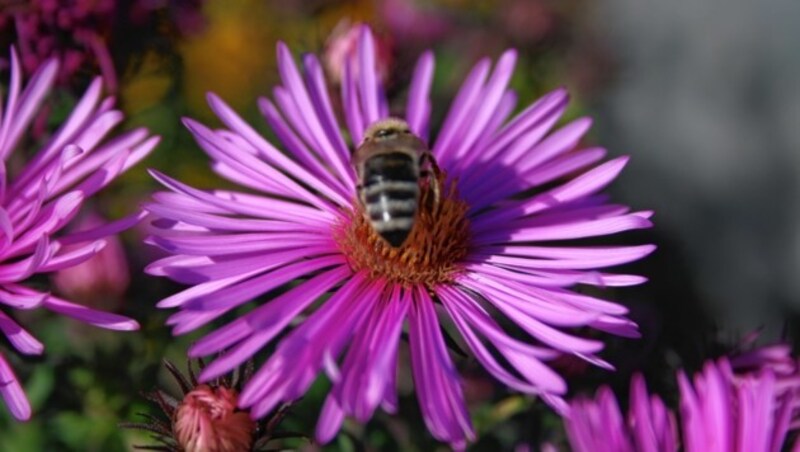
column 206, row 420
column 340, row 50
column 102, row 279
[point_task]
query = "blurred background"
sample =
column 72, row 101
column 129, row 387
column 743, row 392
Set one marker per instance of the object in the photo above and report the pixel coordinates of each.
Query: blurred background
column 705, row 96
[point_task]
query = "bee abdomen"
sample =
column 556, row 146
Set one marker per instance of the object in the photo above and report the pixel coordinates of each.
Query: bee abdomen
column 390, row 195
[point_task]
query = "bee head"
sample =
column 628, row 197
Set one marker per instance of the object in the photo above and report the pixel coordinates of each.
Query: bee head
column 386, row 129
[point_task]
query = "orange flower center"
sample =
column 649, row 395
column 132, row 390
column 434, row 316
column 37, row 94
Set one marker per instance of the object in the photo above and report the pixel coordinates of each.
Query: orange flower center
column 430, row 255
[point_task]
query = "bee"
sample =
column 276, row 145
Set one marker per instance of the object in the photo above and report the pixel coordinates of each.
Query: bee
column 390, row 163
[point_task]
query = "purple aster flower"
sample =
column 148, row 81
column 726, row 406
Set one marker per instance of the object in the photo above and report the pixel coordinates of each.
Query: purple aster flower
column 482, row 250
column 41, row 196
column 721, row 410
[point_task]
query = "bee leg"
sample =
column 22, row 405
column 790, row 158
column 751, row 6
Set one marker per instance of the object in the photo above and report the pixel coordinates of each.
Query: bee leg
column 432, row 173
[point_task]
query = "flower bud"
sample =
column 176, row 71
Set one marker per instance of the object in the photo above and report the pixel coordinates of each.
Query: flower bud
column 101, row 280
column 340, row 50
column 206, row 420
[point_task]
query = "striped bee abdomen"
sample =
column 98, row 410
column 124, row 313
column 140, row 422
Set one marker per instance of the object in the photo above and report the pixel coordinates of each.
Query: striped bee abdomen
column 390, row 193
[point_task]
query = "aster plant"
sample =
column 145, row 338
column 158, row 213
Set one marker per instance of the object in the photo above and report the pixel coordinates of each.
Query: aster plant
column 481, row 249
column 40, row 197
column 722, row 409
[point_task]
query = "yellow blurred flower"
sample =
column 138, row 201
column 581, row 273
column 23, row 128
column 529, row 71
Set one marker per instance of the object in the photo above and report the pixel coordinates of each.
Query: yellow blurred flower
column 233, row 57
column 146, row 84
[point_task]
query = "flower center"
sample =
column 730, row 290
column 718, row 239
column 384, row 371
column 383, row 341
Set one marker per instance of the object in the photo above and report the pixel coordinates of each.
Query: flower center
column 430, row 255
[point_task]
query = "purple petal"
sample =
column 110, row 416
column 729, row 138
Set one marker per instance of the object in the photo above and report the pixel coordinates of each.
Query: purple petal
column 515, row 297
column 654, row 427
column 418, row 110
column 266, row 208
column 573, row 230
column 22, row 269
column 72, row 257
column 273, row 312
column 490, row 100
column 105, row 230
column 528, row 124
column 110, row 160
column 367, row 76
column 582, row 186
column 330, row 421
column 563, row 257
column 52, row 218
column 76, row 121
column 319, row 94
column 301, row 354
column 530, row 322
column 366, row 369
column 535, row 279
column 351, row 105
column 197, row 290
column 616, row 326
column 435, row 378
column 783, row 419
column 523, row 357
column 12, row 392
column 467, row 95
column 237, row 157
column 263, row 203
column 19, row 338
column 97, row 318
column 253, row 331
column 242, row 292
column 307, row 121
column 20, row 297
column 245, row 243
column 216, row 221
column 587, row 208
column 295, row 145
column 506, row 106
column 756, row 408
column 20, row 111
column 559, row 142
column 523, row 156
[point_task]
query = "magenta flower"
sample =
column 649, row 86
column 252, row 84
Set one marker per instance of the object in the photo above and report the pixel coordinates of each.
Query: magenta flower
column 39, row 198
column 482, row 250
column 720, row 411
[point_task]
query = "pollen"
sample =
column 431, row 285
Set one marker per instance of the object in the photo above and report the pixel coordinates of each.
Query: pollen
column 432, row 252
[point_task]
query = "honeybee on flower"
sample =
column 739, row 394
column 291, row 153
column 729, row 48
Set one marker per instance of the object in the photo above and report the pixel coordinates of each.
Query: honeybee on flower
column 474, row 246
